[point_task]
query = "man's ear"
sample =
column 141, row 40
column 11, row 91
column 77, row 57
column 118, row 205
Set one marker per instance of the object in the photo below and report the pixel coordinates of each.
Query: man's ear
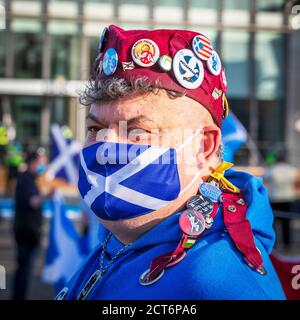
column 212, row 140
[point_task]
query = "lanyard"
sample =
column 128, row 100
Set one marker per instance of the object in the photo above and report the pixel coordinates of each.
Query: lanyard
column 234, row 209
column 169, row 259
column 239, row 228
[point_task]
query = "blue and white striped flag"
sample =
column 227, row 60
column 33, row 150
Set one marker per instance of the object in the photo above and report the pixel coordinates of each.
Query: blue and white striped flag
column 65, row 250
column 64, row 156
column 64, row 254
column 234, row 135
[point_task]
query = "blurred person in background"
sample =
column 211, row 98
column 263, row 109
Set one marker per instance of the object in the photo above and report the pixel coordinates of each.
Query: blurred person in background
column 3, row 142
column 280, row 179
column 28, row 220
column 13, row 161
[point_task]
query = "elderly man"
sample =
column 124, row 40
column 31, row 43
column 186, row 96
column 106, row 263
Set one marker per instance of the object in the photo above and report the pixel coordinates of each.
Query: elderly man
column 176, row 221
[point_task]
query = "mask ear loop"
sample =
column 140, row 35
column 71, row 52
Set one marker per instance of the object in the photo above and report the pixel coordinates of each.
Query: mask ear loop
column 198, row 130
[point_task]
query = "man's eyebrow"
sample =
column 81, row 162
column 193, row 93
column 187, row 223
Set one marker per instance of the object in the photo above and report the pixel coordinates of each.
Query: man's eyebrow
column 94, row 118
column 138, row 119
column 129, row 122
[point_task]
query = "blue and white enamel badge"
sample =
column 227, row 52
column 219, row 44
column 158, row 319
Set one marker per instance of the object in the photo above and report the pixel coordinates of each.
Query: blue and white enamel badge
column 214, row 64
column 110, row 61
column 188, row 69
column 210, row 191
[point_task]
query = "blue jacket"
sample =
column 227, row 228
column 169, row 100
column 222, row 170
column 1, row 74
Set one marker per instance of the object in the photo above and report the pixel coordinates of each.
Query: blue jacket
column 212, row 269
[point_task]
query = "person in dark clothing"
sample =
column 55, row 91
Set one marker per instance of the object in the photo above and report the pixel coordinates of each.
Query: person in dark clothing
column 28, row 221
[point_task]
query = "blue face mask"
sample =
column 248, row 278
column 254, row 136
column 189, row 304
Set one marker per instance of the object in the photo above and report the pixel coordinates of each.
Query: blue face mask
column 41, row 168
column 122, row 181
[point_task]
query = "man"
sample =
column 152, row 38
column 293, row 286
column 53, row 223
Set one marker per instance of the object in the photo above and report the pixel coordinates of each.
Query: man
column 27, row 221
column 173, row 226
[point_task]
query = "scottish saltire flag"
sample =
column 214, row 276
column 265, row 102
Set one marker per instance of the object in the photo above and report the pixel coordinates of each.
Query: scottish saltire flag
column 234, row 135
column 66, row 247
column 64, row 155
column 118, row 188
column 64, row 254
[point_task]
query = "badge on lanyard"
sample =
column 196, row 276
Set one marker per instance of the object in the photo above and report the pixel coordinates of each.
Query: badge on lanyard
column 192, row 222
column 144, row 281
column 201, row 203
column 210, row 191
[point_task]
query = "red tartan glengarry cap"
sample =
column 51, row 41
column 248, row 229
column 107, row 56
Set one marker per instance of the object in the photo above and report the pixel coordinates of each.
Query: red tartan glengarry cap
column 178, row 60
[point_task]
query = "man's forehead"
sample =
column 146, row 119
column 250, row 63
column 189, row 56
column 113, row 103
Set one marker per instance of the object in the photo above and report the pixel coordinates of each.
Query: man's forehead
column 158, row 109
column 115, row 111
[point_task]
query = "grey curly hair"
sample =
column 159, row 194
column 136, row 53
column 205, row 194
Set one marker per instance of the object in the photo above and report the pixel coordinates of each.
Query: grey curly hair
column 114, row 88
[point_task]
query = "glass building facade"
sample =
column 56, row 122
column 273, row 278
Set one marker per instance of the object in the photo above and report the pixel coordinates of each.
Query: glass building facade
column 47, row 47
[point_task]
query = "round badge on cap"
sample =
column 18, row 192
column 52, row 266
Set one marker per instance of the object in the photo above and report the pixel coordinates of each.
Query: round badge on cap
column 145, row 52
column 102, row 39
column 165, row 63
column 200, row 203
column 202, row 47
column 210, row 191
column 188, row 69
column 110, row 61
column 192, row 222
column 214, row 64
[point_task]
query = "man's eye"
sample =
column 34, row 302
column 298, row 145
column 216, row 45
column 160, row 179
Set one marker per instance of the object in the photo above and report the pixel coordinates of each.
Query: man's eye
column 93, row 129
column 137, row 134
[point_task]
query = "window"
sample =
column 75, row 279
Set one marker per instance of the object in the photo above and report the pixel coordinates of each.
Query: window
column 133, row 10
column 2, row 15
column 28, row 55
column 270, row 62
column 236, row 12
column 203, row 11
column 27, row 116
column 63, row 8
column 270, row 5
column 27, row 40
column 93, row 51
column 169, row 3
column 205, row 4
column 235, row 53
column 65, row 49
column 96, row 9
column 2, row 53
column 65, row 57
column 269, row 12
column 168, row 11
column 271, row 125
column 59, row 111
